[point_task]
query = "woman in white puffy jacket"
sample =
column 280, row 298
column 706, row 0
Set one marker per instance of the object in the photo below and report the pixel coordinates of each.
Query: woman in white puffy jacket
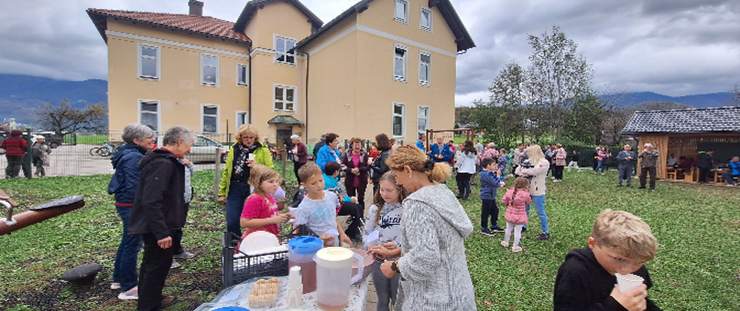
column 537, row 175
column 466, row 164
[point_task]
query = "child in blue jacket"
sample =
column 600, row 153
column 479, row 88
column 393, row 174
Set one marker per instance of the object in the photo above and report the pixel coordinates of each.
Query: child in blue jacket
column 490, row 180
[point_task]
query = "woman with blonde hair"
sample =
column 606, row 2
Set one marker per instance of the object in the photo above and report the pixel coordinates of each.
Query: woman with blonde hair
column 537, row 173
column 234, row 186
column 433, row 267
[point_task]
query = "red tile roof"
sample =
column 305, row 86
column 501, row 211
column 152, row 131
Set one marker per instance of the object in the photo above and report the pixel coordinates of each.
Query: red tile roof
column 205, row 25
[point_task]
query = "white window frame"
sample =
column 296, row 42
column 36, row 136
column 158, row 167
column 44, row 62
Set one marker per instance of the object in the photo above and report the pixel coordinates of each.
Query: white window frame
column 425, row 118
column 428, row 81
column 239, row 76
column 421, row 18
column 241, row 120
column 203, row 116
column 404, row 19
column 285, row 54
column 139, row 56
column 405, row 59
column 403, row 119
column 158, row 113
column 202, row 70
column 284, row 100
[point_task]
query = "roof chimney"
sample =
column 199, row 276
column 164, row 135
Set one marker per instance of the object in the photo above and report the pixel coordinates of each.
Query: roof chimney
column 196, row 7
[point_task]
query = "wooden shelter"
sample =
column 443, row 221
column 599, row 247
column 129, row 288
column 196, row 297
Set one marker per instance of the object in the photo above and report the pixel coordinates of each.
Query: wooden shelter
column 685, row 132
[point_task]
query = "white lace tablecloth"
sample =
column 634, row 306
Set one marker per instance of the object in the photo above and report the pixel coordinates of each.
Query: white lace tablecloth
column 238, row 296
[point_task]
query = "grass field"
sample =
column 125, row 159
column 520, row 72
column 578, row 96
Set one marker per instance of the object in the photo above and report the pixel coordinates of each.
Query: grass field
column 697, row 266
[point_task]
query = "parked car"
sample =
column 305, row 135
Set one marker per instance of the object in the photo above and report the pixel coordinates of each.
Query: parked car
column 51, row 138
column 204, row 150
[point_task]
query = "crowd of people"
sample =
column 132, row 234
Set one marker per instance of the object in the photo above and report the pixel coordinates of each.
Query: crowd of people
column 417, row 267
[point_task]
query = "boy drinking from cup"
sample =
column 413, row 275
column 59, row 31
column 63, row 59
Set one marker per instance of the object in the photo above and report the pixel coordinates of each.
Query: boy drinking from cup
column 620, row 243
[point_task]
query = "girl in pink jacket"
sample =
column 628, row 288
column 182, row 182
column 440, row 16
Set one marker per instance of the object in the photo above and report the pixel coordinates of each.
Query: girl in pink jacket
column 516, row 198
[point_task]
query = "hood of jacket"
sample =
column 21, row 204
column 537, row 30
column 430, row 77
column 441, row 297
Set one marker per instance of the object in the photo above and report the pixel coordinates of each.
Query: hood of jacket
column 156, row 154
column 443, row 201
column 125, row 149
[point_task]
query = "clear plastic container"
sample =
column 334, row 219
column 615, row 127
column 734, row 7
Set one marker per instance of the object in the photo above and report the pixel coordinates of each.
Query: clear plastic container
column 301, row 251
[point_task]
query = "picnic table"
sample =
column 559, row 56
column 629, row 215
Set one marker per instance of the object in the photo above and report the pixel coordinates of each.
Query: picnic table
column 238, row 296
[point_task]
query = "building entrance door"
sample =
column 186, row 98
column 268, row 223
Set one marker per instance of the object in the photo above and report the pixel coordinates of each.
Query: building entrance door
column 282, row 137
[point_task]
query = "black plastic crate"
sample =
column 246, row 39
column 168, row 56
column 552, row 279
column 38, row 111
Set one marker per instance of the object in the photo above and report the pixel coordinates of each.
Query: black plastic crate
column 238, row 266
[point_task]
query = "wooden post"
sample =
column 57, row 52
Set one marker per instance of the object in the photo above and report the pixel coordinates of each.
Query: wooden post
column 217, row 171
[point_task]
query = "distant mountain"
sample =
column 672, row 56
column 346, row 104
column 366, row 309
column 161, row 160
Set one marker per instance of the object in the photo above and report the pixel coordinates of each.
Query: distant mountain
column 20, row 94
column 696, row 101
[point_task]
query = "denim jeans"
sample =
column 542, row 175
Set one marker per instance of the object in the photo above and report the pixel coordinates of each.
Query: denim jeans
column 539, row 206
column 124, row 267
column 238, row 193
column 602, row 165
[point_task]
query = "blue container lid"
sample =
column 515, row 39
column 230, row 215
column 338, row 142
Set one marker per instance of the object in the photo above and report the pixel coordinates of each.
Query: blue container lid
column 231, row 309
column 305, row 245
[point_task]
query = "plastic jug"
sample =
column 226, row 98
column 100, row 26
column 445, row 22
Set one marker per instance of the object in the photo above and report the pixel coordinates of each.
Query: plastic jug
column 301, row 251
column 334, row 277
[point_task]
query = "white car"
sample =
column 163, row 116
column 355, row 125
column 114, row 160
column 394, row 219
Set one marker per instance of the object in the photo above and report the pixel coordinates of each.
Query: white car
column 204, row 150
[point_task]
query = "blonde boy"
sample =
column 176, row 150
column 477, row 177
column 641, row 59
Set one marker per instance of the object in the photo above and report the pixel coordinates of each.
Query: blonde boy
column 620, row 243
column 318, row 210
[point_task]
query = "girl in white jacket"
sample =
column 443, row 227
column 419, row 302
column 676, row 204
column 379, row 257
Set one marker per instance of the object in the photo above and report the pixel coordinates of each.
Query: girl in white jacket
column 466, row 164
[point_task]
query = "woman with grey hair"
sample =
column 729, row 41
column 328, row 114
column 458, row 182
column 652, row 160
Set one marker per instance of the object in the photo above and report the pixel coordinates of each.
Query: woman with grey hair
column 300, row 154
column 159, row 213
column 139, row 139
column 649, row 165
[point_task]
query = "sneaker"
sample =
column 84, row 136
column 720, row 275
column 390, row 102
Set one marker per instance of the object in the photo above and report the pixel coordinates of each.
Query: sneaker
column 524, row 229
column 629, row 186
column 131, row 294
column 505, row 244
column 167, row 301
column 640, row 187
column 115, row 285
column 544, row 237
column 487, row 232
column 619, row 185
column 184, row 255
column 175, row 265
column 516, row 249
column 602, row 174
column 557, row 180
column 497, row 229
column 652, row 189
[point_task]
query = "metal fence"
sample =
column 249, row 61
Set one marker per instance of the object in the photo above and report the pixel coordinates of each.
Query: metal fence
column 90, row 154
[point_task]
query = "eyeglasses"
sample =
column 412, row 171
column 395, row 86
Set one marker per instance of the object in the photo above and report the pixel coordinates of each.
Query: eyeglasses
column 249, row 137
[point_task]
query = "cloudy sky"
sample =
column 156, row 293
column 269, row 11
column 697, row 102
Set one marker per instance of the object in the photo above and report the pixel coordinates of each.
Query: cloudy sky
column 671, row 47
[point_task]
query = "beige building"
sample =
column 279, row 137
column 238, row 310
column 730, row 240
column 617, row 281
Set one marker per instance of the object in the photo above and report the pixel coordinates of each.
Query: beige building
column 382, row 66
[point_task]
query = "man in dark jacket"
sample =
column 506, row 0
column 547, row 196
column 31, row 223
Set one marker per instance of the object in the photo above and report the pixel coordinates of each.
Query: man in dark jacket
column 16, row 149
column 626, row 159
column 704, row 164
column 159, row 213
column 318, row 146
column 648, row 165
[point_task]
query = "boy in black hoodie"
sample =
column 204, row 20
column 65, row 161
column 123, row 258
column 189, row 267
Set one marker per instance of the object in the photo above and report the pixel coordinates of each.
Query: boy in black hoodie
column 620, row 243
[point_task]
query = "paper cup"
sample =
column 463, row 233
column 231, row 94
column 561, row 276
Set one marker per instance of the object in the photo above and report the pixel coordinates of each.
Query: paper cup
column 628, row 282
column 252, row 156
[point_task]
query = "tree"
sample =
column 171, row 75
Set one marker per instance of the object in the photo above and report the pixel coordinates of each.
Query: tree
column 584, row 120
column 502, row 118
column 65, row 118
column 557, row 78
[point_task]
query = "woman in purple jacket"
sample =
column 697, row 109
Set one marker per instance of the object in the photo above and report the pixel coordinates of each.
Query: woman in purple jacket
column 356, row 161
column 300, row 154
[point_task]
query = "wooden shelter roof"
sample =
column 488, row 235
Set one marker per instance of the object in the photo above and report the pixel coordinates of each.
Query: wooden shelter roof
column 684, row 121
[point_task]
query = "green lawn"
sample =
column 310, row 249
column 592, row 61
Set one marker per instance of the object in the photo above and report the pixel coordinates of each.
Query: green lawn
column 696, row 268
